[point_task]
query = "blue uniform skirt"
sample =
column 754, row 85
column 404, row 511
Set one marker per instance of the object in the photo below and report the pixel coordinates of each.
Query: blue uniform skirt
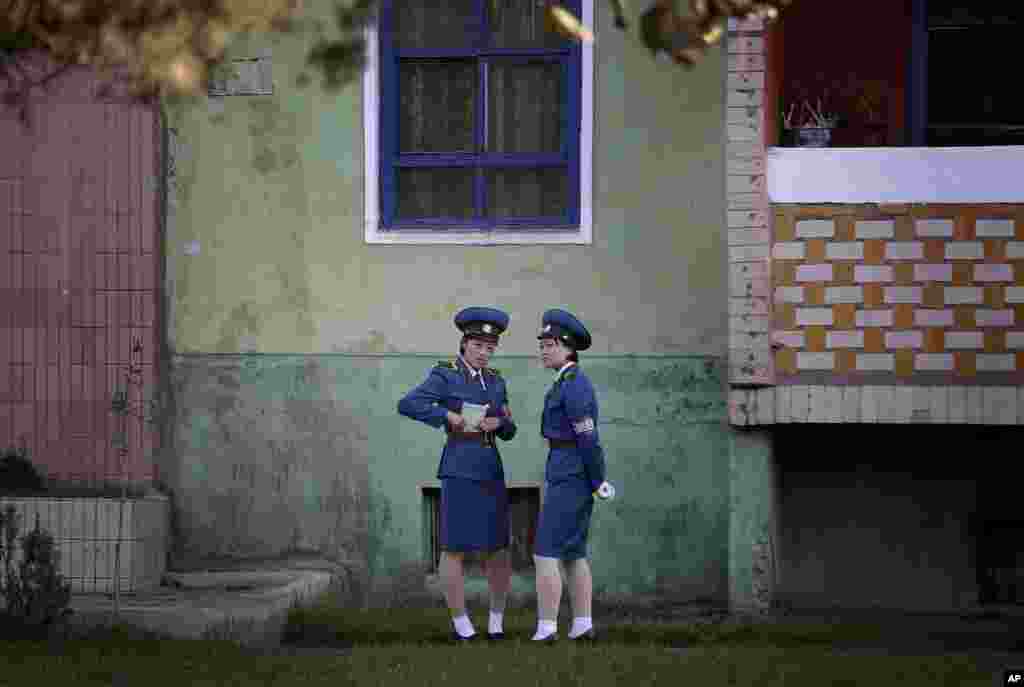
column 474, row 515
column 565, row 519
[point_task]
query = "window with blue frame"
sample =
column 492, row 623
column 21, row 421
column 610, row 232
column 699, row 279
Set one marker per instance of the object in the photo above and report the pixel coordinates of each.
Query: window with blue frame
column 479, row 117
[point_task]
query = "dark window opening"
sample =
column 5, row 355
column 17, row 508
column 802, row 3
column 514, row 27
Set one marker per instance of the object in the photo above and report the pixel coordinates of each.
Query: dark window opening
column 918, row 72
column 970, row 47
column 524, row 509
column 1001, row 563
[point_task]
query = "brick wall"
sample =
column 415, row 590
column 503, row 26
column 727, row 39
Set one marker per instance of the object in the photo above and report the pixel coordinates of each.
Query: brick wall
column 751, row 364
column 866, row 312
column 929, row 294
column 897, row 313
column 748, row 211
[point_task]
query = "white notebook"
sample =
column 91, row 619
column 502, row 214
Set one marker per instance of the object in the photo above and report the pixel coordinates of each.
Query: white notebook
column 473, row 414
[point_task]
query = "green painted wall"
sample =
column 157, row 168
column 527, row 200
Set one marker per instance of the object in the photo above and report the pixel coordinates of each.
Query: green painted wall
column 308, row 453
column 292, row 339
column 753, row 519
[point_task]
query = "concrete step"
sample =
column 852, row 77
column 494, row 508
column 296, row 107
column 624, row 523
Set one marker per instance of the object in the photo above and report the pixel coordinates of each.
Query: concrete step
column 250, row 607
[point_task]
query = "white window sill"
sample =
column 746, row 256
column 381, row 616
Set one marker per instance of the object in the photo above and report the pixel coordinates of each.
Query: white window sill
column 374, row 235
column 896, row 175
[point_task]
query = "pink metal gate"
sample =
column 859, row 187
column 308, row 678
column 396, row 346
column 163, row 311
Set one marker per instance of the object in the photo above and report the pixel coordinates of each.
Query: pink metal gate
column 79, row 266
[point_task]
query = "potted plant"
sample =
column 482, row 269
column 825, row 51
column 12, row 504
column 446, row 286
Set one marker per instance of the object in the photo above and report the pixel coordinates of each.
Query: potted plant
column 808, row 125
column 870, row 103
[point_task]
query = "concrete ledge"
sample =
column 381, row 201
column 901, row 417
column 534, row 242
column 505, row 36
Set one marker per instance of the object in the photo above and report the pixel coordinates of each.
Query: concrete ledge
column 895, row 175
column 247, row 607
column 231, row 581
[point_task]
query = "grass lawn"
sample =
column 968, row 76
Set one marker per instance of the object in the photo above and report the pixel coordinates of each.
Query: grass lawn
column 170, row 663
column 405, row 647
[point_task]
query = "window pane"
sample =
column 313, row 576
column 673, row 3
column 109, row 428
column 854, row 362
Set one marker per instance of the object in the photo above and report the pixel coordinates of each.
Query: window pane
column 435, row 192
column 520, row 24
column 527, row 192
column 980, row 99
column 437, row 105
column 524, row 107
column 435, row 23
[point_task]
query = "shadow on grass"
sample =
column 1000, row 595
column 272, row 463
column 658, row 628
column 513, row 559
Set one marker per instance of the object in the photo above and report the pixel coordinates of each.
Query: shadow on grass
column 17, row 630
column 332, row 622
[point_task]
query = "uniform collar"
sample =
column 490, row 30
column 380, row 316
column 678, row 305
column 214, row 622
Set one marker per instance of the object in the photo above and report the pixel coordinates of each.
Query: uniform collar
column 564, row 368
column 472, row 372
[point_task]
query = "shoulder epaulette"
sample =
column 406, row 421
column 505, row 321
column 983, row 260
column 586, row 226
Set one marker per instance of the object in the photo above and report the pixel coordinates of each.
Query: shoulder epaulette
column 448, row 364
column 569, row 374
column 494, row 371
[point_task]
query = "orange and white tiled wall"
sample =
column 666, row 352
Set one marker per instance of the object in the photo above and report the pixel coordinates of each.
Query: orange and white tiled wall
column 865, row 294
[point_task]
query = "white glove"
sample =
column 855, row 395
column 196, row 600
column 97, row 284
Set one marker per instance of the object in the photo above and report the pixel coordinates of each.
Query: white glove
column 606, row 491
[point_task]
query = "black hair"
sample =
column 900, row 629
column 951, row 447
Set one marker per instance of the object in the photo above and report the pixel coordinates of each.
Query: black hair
column 568, row 344
column 573, row 355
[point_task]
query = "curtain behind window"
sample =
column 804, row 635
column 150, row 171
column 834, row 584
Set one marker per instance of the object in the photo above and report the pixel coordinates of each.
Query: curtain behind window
column 438, row 110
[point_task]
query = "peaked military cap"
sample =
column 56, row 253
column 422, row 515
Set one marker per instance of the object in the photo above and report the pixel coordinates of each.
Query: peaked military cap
column 559, row 324
column 487, row 323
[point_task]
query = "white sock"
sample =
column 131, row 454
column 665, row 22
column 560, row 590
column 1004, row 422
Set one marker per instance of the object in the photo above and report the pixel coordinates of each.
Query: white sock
column 545, row 628
column 463, row 626
column 494, row 625
column 580, row 626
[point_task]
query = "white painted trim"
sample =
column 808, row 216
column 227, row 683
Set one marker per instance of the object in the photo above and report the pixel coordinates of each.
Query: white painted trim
column 587, row 130
column 896, row 175
column 371, row 137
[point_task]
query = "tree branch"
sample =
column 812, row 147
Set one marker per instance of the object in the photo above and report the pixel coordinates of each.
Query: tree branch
column 19, row 92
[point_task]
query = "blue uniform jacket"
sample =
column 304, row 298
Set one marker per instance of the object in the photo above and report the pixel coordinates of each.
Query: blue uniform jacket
column 446, row 388
column 571, row 414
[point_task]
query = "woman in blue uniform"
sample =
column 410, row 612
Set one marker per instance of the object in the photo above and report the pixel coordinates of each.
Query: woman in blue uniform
column 574, row 473
column 474, row 501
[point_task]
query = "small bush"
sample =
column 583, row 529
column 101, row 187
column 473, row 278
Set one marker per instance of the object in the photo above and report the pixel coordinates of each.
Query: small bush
column 34, row 592
column 18, row 474
column 20, row 477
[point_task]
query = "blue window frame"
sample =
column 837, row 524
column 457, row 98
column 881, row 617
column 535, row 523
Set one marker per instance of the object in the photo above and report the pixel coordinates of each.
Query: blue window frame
column 466, row 175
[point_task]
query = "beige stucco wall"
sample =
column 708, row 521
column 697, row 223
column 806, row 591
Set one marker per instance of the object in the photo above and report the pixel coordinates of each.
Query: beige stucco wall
column 272, row 187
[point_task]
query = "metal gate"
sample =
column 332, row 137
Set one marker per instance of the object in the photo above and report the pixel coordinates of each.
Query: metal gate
column 79, row 289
